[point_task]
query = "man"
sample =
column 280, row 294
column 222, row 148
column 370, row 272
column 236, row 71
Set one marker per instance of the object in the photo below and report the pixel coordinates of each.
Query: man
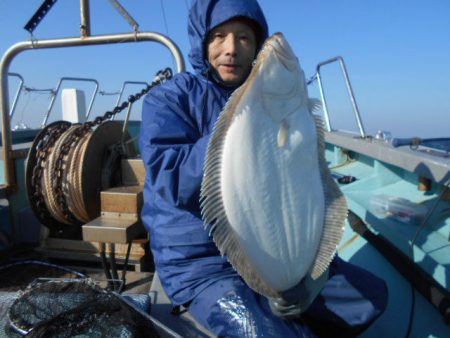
column 177, row 121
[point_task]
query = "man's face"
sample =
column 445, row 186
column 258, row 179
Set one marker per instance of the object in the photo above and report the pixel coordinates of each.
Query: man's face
column 231, row 50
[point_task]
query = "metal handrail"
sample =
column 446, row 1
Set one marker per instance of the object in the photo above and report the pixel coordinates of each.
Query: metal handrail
column 16, row 97
column 123, row 88
column 349, row 89
column 119, row 97
column 58, row 87
column 13, row 51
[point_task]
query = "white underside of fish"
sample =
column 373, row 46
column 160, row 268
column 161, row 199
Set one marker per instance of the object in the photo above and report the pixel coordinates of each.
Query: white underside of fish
column 273, row 195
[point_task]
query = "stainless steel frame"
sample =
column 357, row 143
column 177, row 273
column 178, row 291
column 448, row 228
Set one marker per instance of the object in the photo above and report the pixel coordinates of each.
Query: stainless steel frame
column 349, row 89
column 56, row 91
column 84, row 40
column 123, row 88
column 16, row 97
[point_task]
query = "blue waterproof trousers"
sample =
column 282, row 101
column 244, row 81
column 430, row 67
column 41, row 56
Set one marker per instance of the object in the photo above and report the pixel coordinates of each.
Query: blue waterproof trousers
column 350, row 301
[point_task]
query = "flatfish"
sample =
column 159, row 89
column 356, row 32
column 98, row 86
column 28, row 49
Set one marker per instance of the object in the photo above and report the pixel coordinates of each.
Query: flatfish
column 267, row 195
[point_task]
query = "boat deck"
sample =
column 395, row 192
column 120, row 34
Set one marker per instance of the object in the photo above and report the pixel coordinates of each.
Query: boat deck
column 380, row 172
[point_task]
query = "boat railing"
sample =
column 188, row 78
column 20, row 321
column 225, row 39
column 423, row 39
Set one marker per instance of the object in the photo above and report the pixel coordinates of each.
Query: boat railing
column 85, row 39
column 318, row 77
column 124, row 85
column 54, row 93
column 17, row 95
column 57, row 89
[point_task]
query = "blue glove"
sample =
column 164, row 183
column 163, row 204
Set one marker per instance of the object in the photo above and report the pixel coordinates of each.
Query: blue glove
column 295, row 301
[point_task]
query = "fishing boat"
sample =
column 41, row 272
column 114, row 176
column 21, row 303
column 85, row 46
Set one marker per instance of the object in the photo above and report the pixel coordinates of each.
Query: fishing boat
column 398, row 192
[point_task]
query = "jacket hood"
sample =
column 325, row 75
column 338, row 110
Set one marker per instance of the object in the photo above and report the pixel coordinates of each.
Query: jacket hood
column 208, row 14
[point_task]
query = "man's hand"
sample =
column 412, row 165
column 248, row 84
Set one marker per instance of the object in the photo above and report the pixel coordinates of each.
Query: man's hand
column 296, row 300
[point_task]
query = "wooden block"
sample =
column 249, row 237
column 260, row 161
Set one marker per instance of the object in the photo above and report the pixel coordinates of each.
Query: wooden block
column 69, row 245
column 139, row 247
column 138, row 262
column 133, row 171
column 124, row 199
column 112, row 230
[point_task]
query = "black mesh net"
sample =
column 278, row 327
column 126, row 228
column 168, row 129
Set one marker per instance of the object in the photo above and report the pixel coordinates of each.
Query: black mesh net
column 75, row 308
column 40, row 299
column 17, row 275
column 44, row 300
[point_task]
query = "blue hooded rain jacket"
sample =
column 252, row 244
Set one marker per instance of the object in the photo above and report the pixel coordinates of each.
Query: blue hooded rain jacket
column 177, row 120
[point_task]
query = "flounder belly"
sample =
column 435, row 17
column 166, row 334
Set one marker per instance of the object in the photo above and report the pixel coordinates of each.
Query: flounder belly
column 273, row 195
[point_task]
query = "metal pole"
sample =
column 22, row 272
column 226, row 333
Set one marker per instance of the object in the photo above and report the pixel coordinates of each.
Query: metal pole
column 57, row 43
column 10, row 177
column 127, row 83
column 123, row 88
column 352, row 98
column 349, row 89
column 16, row 97
column 85, row 26
column 324, row 102
column 123, row 12
column 56, row 91
column 125, row 125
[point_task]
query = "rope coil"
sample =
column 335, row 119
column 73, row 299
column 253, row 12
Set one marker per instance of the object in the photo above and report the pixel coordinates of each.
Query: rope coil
column 55, row 166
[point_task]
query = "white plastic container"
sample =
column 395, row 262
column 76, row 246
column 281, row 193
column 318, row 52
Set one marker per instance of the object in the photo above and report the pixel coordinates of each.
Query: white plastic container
column 400, row 209
column 73, row 105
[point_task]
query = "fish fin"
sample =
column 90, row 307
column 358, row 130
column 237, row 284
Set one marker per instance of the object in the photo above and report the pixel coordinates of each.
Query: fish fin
column 283, row 134
column 314, row 105
column 212, row 207
column 335, row 212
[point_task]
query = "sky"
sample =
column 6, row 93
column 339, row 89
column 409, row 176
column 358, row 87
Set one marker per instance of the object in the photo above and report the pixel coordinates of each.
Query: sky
column 397, row 54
